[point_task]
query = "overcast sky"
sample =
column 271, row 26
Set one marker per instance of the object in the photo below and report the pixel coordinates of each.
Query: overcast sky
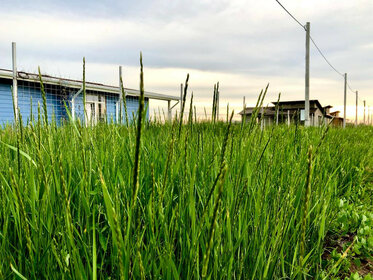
column 242, row 44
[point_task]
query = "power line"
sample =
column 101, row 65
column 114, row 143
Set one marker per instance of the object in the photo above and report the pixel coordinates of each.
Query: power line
column 313, row 41
column 282, row 6
column 349, row 87
column 327, row 61
column 317, row 47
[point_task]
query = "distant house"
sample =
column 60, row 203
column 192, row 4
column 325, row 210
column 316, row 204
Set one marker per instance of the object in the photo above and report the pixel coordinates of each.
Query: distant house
column 334, row 117
column 293, row 112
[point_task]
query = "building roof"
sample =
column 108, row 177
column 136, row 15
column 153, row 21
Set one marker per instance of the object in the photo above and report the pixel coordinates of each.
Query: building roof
column 24, row 76
column 301, row 102
column 250, row 110
column 335, row 115
column 271, row 110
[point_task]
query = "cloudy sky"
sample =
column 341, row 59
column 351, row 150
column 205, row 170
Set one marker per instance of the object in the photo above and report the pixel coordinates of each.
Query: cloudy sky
column 242, row 44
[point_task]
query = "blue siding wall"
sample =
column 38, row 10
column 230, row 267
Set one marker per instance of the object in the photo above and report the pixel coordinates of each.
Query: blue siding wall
column 147, row 104
column 56, row 101
column 6, row 104
column 79, row 107
column 55, row 104
column 132, row 103
column 111, row 107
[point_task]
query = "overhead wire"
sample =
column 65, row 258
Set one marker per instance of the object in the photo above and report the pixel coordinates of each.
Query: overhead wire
column 327, row 61
column 314, row 43
column 312, row 40
column 291, row 15
column 349, row 87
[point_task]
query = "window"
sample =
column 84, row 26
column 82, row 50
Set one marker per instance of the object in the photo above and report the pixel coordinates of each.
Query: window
column 96, row 108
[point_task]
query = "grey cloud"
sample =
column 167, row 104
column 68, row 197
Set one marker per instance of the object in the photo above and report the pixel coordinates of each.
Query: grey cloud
column 161, row 10
column 228, row 36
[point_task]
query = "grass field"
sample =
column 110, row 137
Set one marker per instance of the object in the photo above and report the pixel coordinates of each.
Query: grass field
column 200, row 200
column 210, row 202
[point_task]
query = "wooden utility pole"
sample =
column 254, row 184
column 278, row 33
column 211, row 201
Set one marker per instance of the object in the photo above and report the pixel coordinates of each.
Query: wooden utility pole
column 307, row 81
column 364, row 110
column 345, row 102
column 357, row 104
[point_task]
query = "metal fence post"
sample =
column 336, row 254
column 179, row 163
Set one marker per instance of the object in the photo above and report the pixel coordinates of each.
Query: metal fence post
column 15, row 86
column 307, row 82
column 357, row 104
column 169, row 110
column 345, row 102
column 119, row 112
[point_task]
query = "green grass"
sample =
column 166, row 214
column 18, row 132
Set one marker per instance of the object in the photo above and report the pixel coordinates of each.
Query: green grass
column 67, row 210
column 164, row 201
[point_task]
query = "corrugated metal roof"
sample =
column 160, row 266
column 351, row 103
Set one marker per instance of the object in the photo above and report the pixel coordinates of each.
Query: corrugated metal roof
column 312, row 101
column 24, row 76
column 250, row 110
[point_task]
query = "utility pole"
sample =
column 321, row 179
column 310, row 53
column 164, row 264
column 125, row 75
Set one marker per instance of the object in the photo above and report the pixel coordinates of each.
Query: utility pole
column 307, row 82
column 364, row 111
column 15, row 87
column 357, row 104
column 345, row 103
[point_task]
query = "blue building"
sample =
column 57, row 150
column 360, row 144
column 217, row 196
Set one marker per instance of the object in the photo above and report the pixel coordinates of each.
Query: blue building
column 103, row 102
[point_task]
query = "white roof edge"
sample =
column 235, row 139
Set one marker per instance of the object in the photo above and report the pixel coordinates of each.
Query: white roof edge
column 8, row 74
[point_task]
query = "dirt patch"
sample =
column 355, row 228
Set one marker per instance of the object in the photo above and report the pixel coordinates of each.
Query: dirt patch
column 363, row 266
